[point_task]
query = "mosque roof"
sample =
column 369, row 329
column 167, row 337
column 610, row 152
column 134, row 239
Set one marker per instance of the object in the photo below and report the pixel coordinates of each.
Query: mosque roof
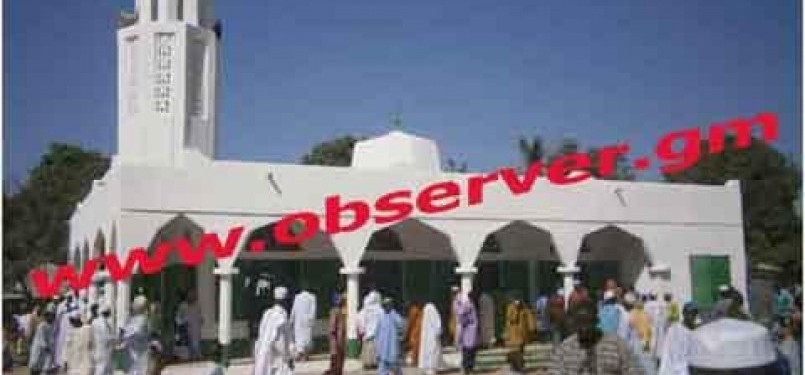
column 397, row 149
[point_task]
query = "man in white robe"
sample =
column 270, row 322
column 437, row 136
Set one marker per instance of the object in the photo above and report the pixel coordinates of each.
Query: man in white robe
column 61, row 327
column 79, row 345
column 487, row 311
column 658, row 312
column 367, row 326
column 43, row 346
column 103, row 340
column 136, row 337
column 430, row 347
column 678, row 343
column 303, row 315
column 272, row 351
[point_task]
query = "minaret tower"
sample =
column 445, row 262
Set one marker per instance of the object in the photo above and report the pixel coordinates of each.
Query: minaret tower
column 167, row 81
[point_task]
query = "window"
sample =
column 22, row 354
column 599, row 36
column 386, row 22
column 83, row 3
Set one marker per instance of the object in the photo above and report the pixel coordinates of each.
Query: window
column 707, row 273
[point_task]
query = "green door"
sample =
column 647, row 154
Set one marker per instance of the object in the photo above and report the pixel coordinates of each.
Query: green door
column 707, row 273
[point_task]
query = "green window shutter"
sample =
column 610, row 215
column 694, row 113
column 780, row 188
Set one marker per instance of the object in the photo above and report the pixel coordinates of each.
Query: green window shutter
column 707, row 273
column 720, row 272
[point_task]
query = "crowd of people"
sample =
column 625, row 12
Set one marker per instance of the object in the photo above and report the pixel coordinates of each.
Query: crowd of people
column 619, row 331
column 69, row 335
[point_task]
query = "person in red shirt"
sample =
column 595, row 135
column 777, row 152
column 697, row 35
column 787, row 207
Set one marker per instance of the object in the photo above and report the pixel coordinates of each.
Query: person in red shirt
column 578, row 295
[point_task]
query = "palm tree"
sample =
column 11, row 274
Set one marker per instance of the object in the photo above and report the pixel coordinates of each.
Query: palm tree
column 532, row 151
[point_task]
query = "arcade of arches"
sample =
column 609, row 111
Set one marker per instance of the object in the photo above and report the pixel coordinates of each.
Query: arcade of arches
column 410, row 261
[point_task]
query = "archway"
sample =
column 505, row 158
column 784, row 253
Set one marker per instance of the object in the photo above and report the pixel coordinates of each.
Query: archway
column 410, row 261
column 168, row 287
column 518, row 259
column 611, row 253
column 312, row 265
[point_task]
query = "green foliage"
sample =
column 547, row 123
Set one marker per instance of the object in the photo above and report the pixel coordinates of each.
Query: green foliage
column 336, row 152
column 770, row 187
column 531, row 151
column 623, row 169
column 535, row 150
column 35, row 224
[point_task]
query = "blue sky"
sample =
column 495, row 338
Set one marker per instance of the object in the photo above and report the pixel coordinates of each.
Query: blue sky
column 474, row 75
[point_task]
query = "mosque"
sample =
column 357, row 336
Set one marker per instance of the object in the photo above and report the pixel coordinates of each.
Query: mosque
column 165, row 182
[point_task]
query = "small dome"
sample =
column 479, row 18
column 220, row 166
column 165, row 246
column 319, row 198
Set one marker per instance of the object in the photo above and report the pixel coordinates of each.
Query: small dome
column 397, row 150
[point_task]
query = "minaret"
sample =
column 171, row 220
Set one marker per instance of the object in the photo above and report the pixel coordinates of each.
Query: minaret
column 167, row 81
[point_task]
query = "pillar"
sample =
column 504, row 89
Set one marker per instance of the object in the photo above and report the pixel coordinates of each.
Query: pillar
column 466, row 274
column 568, row 275
column 225, row 276
column 123, row 302
column 352, row 274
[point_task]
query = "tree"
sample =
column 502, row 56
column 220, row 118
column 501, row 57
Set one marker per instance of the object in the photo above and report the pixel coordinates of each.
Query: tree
column 534, row 151
column 336, row 152
column 770, row 187
column 623, row 170
column 35, row 227
column 531, row 151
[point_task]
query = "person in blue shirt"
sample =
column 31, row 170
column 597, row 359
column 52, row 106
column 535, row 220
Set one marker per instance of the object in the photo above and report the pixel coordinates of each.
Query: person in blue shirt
column 387, row 337
column 609, row 316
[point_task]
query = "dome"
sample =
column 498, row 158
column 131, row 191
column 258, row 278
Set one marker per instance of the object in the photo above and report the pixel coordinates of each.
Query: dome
column 397, row 150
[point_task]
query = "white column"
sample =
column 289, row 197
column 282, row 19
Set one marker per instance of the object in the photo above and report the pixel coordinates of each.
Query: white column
column 568, row 273
column 225, row 276
column 123, row 302
column 466, row 274
column 352, row 275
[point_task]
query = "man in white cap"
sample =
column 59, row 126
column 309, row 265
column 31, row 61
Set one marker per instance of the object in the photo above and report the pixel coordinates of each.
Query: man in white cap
column 103, row 339
column 136, row 337
column 734, row 347
column 272, row 351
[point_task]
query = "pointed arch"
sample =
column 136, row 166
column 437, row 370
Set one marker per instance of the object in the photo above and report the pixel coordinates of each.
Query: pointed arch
column 99, row 247
column 410, row 239
column 621, row 253
column 179, row 227
column 519, row 240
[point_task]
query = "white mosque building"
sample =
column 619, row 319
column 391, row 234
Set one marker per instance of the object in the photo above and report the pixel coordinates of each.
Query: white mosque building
column 165, row 182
